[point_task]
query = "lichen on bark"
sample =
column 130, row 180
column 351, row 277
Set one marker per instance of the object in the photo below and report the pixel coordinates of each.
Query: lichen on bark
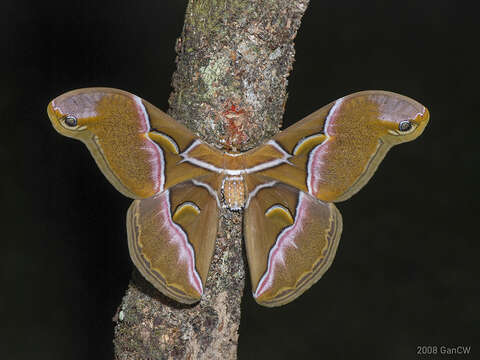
column 234, row 57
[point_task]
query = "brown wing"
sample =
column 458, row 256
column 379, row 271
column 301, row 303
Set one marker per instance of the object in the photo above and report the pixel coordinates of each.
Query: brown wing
column 171, row 239
column 136, row 145
column 335, row 151
column 291, row 239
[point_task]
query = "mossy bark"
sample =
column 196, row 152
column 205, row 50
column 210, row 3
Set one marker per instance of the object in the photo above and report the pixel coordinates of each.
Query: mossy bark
column 234, row 57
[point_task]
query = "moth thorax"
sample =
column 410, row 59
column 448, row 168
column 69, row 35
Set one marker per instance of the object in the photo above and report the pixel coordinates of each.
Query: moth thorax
column 233, row 189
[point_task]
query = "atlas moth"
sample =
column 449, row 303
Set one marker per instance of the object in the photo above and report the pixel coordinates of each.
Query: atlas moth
column 286, row 187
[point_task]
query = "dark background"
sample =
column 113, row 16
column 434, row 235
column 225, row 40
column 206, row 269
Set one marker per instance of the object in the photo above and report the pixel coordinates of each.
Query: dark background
column 406, row 272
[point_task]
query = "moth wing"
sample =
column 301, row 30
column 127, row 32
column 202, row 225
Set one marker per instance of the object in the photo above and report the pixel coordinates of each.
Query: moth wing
column 334, row 151
column 291, row 239
column 132, row 141
column 171, row 238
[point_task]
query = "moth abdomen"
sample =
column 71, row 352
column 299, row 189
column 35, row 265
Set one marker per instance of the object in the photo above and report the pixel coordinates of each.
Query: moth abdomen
column 233, row 190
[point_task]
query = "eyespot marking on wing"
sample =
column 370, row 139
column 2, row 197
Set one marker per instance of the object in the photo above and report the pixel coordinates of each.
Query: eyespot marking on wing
column 184, row 211
column 165, row 141
column 307, row 143
column 279, row 211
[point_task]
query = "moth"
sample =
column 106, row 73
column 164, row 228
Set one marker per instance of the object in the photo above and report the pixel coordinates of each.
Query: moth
column 286, row 186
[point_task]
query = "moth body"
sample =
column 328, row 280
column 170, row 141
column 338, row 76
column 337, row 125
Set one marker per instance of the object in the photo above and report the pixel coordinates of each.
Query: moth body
column 233, row 191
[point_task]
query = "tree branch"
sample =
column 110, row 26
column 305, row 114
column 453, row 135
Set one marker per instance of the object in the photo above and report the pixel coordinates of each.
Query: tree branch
column 234, row 57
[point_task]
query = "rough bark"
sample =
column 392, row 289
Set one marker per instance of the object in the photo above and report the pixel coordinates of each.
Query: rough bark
column 234, row 57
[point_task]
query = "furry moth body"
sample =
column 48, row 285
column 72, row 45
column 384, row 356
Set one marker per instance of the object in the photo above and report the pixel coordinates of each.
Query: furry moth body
column 287, row 186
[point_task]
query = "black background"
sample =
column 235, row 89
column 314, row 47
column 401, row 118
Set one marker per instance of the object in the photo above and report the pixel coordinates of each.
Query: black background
column 406, row 272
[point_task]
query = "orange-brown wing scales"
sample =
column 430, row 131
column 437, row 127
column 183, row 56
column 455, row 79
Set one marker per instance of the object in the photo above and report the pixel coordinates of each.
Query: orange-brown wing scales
column 178, row 172
column 171, row 239
column 297, row 141
column 293, row 174
column 117, row 137
column 204, row 156
column 360, row 129
column 291, row 239
column 340, row 146
column 308, row 126
column 353, row 140
column 163, row 123
column 268, row 155
column 116, row 127
column 182, row 164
